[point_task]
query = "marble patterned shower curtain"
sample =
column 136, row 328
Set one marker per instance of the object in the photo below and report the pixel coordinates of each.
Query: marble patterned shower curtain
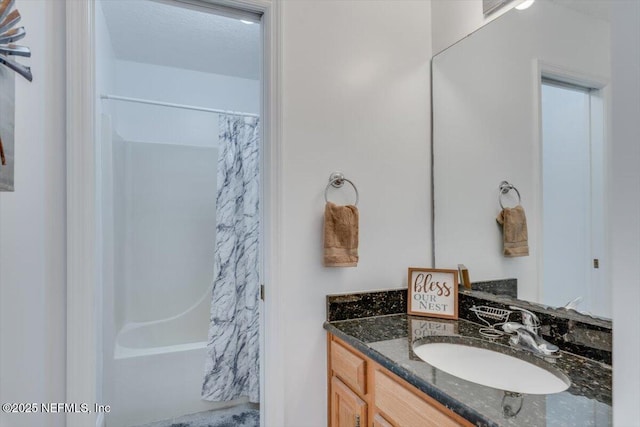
column 232, row 363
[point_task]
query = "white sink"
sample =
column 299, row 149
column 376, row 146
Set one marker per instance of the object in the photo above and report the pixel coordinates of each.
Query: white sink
column 491, row 368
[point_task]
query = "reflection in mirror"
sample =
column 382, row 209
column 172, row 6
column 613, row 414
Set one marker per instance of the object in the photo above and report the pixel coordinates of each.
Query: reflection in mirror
column 525, row 100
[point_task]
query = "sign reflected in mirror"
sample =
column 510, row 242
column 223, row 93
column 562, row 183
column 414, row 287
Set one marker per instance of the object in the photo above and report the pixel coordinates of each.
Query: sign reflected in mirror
column 525, row 99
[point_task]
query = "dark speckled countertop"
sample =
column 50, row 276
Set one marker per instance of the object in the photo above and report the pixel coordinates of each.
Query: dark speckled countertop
column 389, row 340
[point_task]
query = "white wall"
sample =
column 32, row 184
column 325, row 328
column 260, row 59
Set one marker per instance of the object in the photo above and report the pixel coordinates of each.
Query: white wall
column 140, row 122
column 486, row 130
column 624, row 225
column 182, row 86
column 32, row 227
column 454, row 19
column 355, row 98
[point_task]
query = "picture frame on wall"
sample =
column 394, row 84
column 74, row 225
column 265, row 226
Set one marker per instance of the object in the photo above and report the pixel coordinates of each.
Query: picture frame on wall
column 10, row 33
column 432, row 292
column 7, row 107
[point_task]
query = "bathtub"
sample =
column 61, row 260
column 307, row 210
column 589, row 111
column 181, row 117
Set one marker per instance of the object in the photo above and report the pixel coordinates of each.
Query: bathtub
column 182, row 332
column 157, row 369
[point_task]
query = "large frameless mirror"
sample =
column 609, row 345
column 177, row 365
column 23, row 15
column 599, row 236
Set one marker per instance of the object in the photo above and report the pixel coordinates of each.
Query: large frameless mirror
column 525, row 100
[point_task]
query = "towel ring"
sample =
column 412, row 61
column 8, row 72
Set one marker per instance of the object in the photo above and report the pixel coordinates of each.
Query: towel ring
column 337, row 180
column 503, row 189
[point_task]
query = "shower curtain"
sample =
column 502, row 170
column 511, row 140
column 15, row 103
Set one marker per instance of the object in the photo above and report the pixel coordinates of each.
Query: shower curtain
column 231, row 369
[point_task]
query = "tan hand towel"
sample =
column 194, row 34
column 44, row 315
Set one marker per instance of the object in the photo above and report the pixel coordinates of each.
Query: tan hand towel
column 514, row 231
column 340, row 235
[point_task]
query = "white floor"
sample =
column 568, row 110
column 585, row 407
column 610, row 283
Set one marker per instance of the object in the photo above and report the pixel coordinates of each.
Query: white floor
column 246, row 415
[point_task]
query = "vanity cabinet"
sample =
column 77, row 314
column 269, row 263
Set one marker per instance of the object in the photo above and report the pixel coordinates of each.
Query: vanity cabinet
column 364, row 394
column 378, row 421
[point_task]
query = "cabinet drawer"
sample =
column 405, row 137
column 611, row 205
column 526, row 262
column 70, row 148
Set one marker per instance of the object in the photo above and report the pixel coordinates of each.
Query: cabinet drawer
column 349, row 367
column 404, row 408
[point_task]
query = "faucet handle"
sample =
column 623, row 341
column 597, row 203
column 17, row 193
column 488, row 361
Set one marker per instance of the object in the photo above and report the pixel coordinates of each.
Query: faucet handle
column 529, row 320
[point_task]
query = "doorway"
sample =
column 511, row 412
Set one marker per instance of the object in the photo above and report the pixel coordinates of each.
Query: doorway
column 179, row 167
column 573, row 163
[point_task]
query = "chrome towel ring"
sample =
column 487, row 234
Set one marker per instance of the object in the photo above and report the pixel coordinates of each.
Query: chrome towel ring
column 503, row 189
column 337, row 180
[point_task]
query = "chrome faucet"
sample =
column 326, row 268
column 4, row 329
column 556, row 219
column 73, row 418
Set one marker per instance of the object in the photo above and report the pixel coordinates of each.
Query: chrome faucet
column 526, row 334
column 529, row 320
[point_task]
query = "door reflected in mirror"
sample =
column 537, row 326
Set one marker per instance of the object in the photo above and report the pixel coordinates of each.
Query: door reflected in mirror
column 572, row 197
column 525, row 99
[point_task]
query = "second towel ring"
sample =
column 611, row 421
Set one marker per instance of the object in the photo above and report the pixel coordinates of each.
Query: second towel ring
column 504, row 188
column 337, row 180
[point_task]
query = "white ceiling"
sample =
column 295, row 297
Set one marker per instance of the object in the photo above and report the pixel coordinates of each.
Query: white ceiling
column 158, row 33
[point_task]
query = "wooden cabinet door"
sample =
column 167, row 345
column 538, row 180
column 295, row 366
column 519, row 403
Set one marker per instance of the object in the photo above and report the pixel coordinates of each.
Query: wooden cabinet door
column 379, row 421
column 347, row 409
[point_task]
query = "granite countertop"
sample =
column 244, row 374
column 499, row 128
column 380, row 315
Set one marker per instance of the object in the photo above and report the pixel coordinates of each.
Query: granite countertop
column 389, row 339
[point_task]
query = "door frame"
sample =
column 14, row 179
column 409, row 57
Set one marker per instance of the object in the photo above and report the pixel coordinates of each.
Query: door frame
column 601, row 84
column 83, row 367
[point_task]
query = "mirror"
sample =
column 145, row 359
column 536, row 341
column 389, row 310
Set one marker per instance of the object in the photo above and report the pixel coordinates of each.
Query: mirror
column 525, row 100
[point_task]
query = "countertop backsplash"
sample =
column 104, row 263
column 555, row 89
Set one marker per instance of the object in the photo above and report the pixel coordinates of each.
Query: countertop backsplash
column 572, row 332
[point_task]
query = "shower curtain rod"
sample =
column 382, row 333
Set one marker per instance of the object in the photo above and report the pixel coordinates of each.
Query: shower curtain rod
column 182, row 106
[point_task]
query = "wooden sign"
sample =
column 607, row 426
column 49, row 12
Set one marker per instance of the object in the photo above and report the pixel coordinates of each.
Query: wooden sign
column 9, row 34
column 7, row 92
column 433, row 292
